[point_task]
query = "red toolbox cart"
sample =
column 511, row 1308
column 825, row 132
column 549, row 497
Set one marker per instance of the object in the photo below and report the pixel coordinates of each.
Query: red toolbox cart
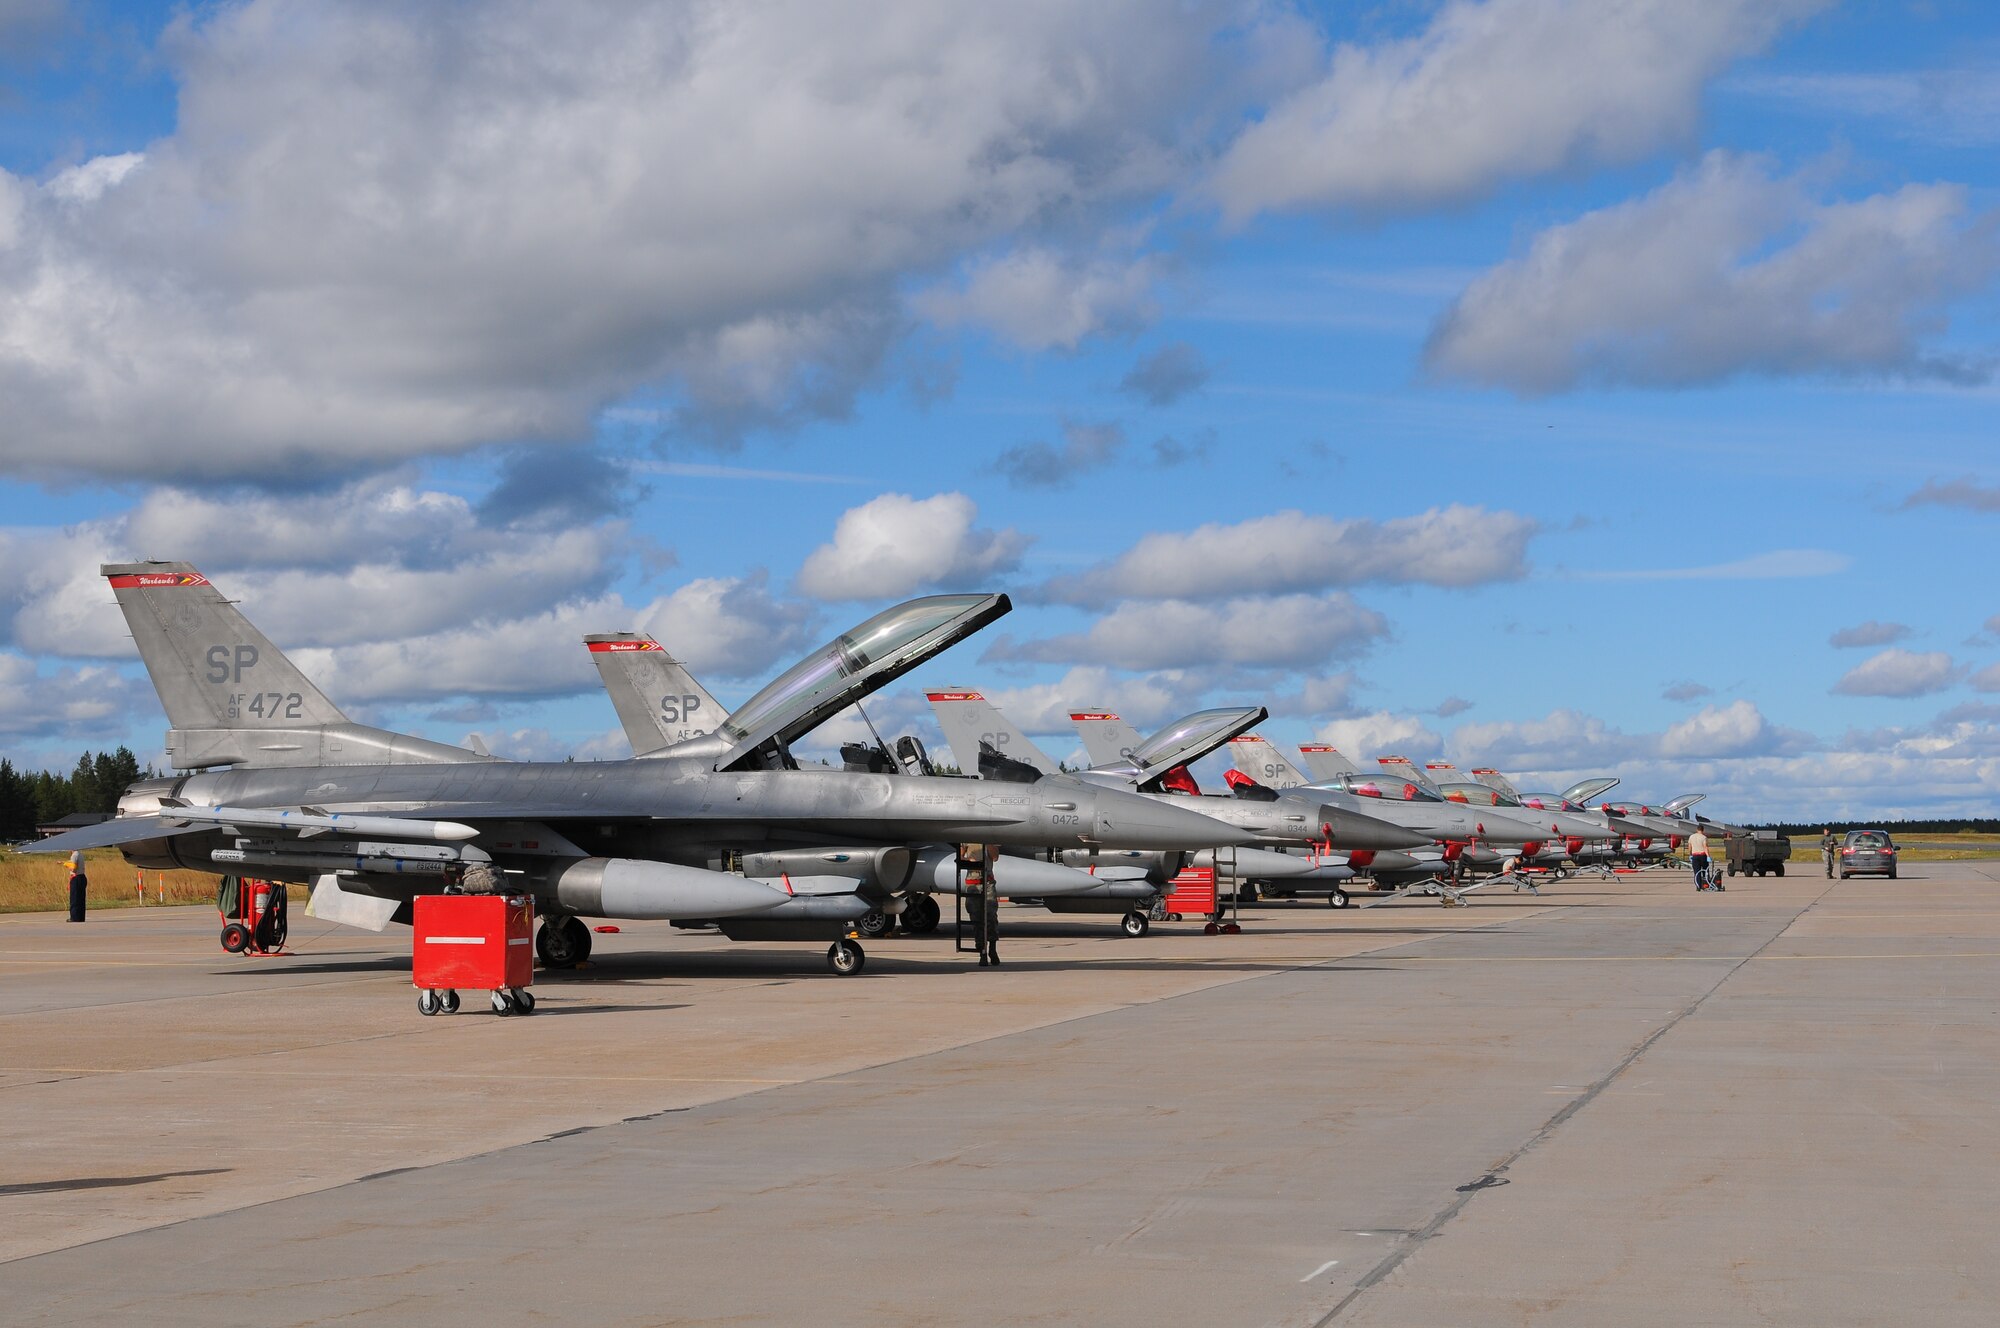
column 1190, row 894
column 473, row 941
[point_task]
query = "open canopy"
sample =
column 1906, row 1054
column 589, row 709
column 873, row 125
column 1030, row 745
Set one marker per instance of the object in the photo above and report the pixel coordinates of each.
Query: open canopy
column 1192, row 737
column 851, row 666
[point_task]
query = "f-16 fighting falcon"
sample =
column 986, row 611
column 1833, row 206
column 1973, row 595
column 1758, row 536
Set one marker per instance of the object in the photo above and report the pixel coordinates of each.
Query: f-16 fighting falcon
column 723, row 826
column 659, row 704
column 982, row 738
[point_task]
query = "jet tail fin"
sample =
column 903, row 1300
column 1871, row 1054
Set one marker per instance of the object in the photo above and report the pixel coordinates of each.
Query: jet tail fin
column 231, row 696
column 1265, row 764
column 1107, row 739
column 658, row 701
column 971, row 726
column 1404, row 768
column 1325, row 762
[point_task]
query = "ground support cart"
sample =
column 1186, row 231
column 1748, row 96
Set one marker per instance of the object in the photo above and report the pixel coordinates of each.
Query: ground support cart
column 253, row 915
column 476, row 942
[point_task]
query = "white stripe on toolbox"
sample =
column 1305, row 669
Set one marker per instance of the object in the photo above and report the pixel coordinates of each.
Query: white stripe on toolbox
column 455, row 940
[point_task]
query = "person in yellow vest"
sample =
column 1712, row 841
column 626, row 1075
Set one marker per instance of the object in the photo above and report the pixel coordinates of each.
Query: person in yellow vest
column 78, row 884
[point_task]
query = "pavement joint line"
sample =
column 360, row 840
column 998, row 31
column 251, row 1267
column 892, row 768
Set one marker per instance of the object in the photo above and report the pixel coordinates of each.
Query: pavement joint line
column 1417, row 1239
column 506, row 1076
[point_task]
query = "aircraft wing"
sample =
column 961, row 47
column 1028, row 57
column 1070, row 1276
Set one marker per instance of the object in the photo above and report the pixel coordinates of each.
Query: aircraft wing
column 120, row 830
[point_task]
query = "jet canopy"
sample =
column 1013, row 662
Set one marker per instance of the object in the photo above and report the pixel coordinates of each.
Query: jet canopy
column 1192, row 737
column 854, row 664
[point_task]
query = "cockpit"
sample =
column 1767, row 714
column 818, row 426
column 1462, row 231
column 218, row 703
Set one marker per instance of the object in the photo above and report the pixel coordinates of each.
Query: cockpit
column 1376, row 786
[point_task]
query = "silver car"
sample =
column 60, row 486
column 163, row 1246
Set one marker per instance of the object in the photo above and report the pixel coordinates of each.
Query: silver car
column 1867, row 853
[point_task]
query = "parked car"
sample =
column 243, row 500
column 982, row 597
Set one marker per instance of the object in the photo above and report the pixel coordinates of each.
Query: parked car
column 1867, row 853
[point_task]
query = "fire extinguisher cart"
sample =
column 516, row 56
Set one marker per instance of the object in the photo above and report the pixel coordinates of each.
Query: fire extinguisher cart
column 253, row 913
column 473, row 942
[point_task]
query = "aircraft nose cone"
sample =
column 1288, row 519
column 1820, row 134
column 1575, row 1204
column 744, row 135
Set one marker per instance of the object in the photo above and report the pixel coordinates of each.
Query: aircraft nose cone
column 1351, row 829
column 1505, row 830
column 1126, row 820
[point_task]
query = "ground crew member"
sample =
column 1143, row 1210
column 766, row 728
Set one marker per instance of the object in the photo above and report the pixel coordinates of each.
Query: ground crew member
column 78, row 884
column 1829, row 848
column 983, row 898
column 1698, row 858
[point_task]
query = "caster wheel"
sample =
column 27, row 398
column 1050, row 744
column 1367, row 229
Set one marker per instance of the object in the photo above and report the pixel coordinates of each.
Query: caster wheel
column 524, row 1000
column 1135, row 924
column 1338, row 899
column 236, row 938
column 503, row 1004
column 428, row 1003
column 448, row 1001
column 1173, row 917
column 845, row 958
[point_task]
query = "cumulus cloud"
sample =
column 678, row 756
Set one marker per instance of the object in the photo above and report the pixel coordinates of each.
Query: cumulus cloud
column 1897, row 672
column 381, row 231
column 1297, row 551
column 1041, row 300
column 1167, row 375
column 66, row 702
column 1737, row 729
column 1488, row 93
column 731, row 627
column 895, row 544
column 1562, row 738
column 1723, row 271
column 1685, row 691
column 1040, row 465
column 1275, row 631
column 1987, row 679
column 1361, row 738
column 1870, row 633
column 1965, row 492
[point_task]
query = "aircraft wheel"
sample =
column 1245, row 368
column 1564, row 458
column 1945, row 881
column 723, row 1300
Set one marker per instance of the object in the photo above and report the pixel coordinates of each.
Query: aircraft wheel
column 1136, row 923
column 450, row 1001
column 236, row 938
column 873, row 925
column 524, row 1000
column 562, row 944
column 428, row 1003
column 1338, row 899
column 503, row 1004
column 845, row 958
column 922, row 916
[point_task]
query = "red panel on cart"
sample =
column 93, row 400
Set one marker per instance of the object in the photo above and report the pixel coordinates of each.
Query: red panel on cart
column 1193, row 891
column 473, row 942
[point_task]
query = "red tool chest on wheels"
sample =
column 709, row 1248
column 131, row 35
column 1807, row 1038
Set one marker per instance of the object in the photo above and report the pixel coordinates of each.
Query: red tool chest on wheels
column 480, row 942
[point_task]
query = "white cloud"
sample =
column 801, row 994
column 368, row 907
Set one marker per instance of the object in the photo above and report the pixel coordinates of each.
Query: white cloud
column 1723, row 271
column 1562, row 738
column 1778, row 564
column 379, row 231
column 1488, row 93
column 1897, row 672
column 1737, row 729
column 1987, row 679
column 730, row 627
column 1362, row 738
column 1041, row 300
column 1256, row 631
column 895, row 544
column 1296, row 551
column 1870, row 633
column 68, row 702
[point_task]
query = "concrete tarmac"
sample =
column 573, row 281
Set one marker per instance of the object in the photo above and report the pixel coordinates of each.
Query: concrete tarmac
column 1621, row 1102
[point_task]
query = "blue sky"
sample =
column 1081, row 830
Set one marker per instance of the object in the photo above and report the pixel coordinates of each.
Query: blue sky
column 1527, row 382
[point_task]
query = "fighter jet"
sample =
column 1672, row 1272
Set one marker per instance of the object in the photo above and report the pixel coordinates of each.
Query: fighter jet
column 1636, row 839
column 724, row 826
column 660, row 703
column 1569, row 834
column 982, row 738
column 1110, row 741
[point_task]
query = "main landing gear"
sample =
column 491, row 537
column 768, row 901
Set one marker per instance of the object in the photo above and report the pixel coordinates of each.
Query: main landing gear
column 562, row 942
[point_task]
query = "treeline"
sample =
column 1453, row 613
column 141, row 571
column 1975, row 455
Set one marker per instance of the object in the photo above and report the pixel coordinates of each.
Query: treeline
column 1952, row 825
column 32, row 798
